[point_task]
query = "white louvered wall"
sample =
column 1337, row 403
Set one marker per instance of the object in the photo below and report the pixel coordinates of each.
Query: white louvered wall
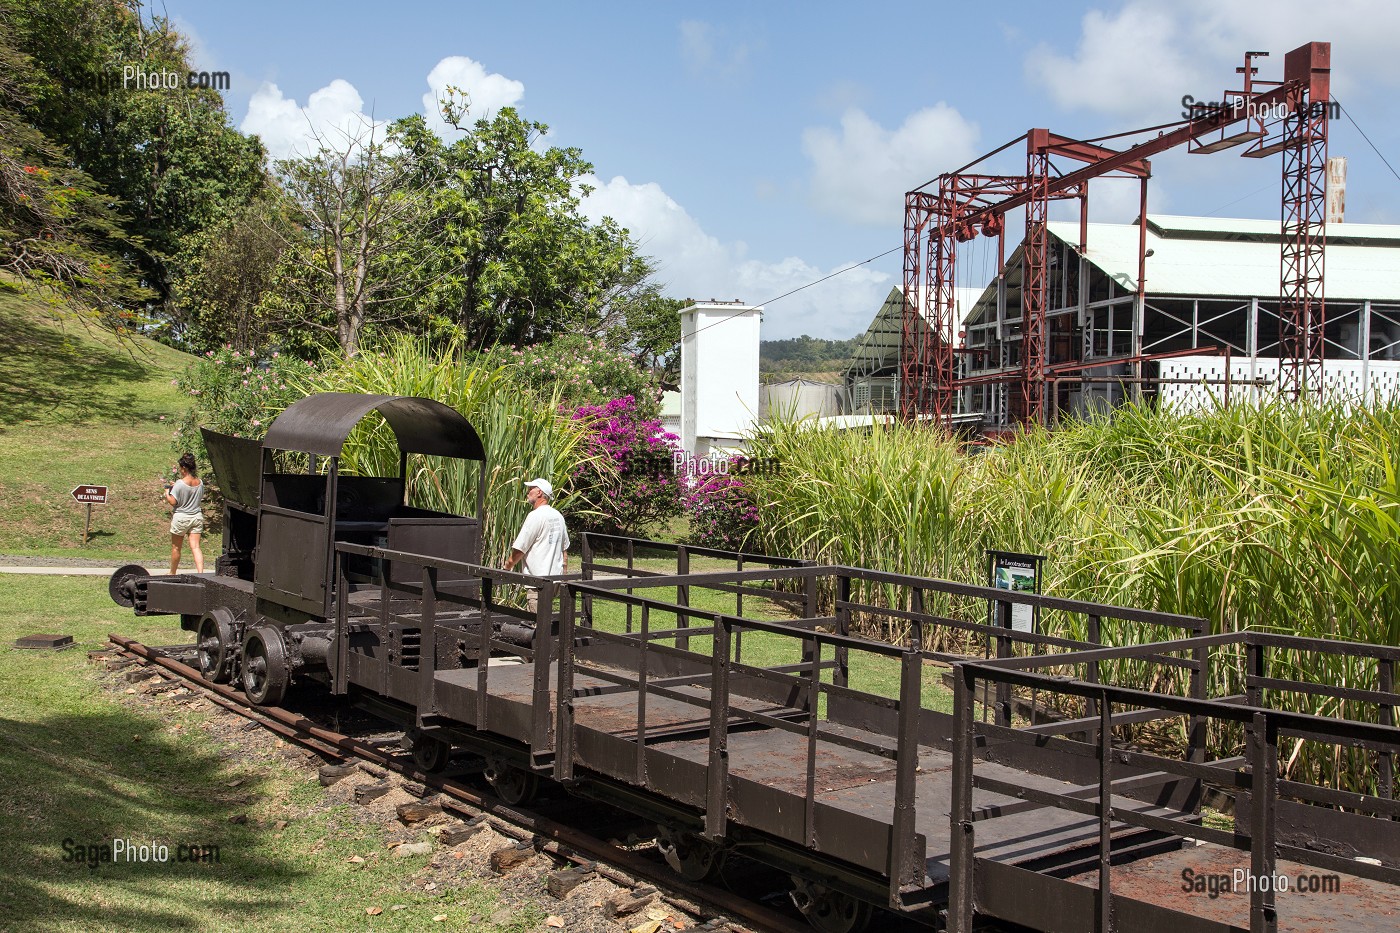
column 1354, row 381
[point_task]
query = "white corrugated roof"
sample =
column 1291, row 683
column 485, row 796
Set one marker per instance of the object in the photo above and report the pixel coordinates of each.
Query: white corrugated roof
column 1173, row 224
column 1238, row 257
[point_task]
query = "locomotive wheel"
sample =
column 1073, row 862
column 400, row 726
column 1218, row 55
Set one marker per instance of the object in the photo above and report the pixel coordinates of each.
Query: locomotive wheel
column 831, row 911
column 429, row 753
column 690, row 856
column 216, row 649
column 265, row 672
column 121, row 585
column 513, row 785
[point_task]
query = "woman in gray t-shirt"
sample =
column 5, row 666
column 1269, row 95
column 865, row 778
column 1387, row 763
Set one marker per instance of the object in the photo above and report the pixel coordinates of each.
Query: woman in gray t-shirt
column 186, row 494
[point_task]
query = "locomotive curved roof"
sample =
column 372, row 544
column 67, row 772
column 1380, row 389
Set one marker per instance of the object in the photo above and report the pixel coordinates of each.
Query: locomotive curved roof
column 319, row 424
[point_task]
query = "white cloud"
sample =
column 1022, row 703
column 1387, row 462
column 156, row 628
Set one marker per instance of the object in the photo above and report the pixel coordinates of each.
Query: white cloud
column 692, row 263
column 487, row 93
column 290, row 130
column 1111, row 201
column 862, row 172
column 1127, row 63
column 1362, row 33
column 705, row 53
column 1141, row 58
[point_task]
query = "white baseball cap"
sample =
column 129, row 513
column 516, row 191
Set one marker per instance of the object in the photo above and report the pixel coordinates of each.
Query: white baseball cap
column 543, row 485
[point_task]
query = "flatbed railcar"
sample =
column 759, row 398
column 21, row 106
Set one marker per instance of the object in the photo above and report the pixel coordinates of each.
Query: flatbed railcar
column 779, row 733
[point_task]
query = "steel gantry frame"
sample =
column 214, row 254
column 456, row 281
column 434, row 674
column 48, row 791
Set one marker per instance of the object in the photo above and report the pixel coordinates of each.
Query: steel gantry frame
column 1303, row 312
column 1288, row 116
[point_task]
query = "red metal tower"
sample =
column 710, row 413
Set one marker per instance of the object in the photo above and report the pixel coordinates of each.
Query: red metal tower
column 1302, row 311
column 969, row 203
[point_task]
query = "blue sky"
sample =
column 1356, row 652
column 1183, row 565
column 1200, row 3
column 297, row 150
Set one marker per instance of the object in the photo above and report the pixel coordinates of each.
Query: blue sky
column 752, row 148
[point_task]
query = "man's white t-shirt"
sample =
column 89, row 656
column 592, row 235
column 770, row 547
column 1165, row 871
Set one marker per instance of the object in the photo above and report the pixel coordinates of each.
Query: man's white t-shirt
column 543, row 540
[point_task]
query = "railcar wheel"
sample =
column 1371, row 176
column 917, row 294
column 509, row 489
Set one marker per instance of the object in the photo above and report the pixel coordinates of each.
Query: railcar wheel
column 689, row 855
column 429, row 753
column 265, row 671
column 215, row 646
column 831, row 911
column 513, row 785
column 121, row 586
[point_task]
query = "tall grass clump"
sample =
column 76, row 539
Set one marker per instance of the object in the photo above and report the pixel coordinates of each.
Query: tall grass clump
column 523, row 431
column 885, row 498
column 1273, row 517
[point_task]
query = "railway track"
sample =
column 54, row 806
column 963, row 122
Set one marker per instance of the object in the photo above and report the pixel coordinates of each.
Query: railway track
column 544, row 832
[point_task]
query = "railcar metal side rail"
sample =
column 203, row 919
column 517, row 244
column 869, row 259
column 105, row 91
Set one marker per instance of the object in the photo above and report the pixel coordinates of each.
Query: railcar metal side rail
column 904, row 858
column 1129, row 796
column 1258, row 778
column 431, row 595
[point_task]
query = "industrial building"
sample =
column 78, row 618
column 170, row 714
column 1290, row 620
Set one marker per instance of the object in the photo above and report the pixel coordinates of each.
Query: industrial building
column 1072, row 314
column 1207, row 321
column 871, row 380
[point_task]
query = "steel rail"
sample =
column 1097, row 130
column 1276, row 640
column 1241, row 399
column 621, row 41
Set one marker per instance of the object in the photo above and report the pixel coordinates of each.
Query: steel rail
column 299, row 728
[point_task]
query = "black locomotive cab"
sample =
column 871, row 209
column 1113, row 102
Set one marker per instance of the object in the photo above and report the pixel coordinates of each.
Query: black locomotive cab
column 302, row 514
column 266, row 615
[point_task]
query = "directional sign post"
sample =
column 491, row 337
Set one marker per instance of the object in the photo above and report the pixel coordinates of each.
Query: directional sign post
column 88, row 495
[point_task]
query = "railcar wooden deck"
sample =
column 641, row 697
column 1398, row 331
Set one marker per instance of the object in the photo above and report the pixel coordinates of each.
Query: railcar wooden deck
column 854, row 790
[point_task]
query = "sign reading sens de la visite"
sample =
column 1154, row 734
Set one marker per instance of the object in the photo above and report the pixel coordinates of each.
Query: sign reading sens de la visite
column 90, row 493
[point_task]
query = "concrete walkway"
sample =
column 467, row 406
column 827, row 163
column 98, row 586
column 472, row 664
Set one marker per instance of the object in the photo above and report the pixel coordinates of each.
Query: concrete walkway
column 62, row 571
column 84, row 571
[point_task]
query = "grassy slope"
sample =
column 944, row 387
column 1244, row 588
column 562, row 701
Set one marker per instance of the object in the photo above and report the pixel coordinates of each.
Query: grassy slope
column 78, row 763
column 80, row 408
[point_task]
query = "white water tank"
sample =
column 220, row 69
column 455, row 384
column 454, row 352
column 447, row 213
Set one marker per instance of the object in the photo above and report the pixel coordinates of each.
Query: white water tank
column 719, row 374
column 799, row 398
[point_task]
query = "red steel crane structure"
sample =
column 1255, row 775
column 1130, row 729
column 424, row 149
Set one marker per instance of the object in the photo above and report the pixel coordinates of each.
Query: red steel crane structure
column 1288, row 116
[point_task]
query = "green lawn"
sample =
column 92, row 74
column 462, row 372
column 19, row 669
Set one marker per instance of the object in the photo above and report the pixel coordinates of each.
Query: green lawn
column 82, row 408
column 77, row 763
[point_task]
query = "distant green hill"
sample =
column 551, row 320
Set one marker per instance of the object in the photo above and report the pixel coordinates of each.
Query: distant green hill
column 810, row 356
column 80, row 407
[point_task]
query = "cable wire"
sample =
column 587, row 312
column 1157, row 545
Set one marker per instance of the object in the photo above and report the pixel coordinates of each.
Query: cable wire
column 799, row 288
column 893, row 249
column 1239, row 199
column 1368, row 140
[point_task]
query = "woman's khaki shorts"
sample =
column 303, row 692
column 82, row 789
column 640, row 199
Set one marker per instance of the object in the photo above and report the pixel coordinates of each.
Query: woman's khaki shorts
column 182, row 523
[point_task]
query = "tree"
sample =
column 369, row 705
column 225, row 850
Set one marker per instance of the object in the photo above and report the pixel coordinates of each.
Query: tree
column 513, row 261
column 361, row 207
column 167, row 157
column 224, row 288
column 59, row 235
column 582, row 369
column 651, row 330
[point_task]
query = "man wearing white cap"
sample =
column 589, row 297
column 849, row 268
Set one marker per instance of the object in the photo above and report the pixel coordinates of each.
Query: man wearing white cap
column 543, row 542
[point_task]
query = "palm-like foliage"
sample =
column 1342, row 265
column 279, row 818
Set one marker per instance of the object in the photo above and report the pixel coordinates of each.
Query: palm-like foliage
column 1275, row 517
column 524, row 434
